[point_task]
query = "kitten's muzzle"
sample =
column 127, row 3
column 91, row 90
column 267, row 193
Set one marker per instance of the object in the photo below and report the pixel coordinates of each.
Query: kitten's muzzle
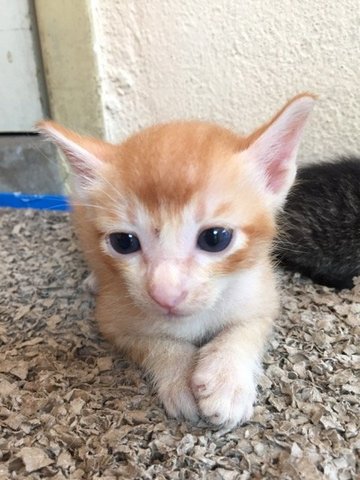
column 167, row 287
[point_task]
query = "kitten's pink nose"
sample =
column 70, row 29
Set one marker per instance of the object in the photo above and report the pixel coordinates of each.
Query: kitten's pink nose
column 167, row 299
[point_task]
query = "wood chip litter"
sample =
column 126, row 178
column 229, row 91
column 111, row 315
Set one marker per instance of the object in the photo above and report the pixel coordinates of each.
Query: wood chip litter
column 73, row 408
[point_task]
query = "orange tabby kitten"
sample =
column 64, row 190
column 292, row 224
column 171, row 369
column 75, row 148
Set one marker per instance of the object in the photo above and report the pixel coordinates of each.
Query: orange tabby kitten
column 176, row 224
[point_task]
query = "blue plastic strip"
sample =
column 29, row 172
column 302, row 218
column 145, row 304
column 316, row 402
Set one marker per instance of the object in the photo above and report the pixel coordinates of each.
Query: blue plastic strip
column 37, row 202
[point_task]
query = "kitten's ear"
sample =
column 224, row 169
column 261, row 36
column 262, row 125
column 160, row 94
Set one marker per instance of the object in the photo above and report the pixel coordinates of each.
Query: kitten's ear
column 83, row 153
column 274, row 146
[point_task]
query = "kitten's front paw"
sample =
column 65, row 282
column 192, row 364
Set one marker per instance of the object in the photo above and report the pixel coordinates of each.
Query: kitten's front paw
column 225, row 389
column 179, row 402
column 174, row 388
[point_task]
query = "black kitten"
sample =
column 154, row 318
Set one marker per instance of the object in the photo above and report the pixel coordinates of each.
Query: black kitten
column 319, row 229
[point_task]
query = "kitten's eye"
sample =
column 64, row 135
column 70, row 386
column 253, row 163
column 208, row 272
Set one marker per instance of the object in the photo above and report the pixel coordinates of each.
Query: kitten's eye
column 214, row 239
column 124, row 242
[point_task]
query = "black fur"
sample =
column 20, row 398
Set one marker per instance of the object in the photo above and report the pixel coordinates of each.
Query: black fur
column 319, row 229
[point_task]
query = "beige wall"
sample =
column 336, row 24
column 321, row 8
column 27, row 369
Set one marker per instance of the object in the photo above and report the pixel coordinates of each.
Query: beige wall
column 67, row 38
column 233, row 61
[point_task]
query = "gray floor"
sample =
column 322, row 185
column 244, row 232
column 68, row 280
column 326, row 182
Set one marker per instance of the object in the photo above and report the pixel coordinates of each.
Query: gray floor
column 28, row 164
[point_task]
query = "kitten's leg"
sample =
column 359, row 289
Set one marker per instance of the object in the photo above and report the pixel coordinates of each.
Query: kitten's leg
column 170, row 365
column 224, row 381
column 91, row 283
column 169, row 362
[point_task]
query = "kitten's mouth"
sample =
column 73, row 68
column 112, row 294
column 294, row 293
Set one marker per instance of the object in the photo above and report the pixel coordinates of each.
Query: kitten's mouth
column 168, row 311
column 175, row 313
column 172, row 312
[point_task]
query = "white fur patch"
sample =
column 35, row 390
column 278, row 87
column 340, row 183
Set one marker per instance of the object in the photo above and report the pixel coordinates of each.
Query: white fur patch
column 224, row 384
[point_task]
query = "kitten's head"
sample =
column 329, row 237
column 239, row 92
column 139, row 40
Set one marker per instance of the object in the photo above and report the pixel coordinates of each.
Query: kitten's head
column 180, row 209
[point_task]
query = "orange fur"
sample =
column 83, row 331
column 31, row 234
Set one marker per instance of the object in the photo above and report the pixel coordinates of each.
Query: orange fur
column 171, row 162
column 260, row 234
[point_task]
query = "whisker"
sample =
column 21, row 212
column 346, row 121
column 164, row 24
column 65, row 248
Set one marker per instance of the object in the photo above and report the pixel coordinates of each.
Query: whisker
column 79, row 204
column 49, row 159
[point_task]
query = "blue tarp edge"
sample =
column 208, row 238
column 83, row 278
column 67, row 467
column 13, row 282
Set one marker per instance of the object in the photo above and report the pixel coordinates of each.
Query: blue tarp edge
column 37, row 202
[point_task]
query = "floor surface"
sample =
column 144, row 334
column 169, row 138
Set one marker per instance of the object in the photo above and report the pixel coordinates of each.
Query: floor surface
column 71, row 407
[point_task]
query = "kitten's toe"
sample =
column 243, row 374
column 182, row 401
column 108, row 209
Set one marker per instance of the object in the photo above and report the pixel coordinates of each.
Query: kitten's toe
column 179, row 403
column 228, row 410
column 90, row 283
column 225, row 391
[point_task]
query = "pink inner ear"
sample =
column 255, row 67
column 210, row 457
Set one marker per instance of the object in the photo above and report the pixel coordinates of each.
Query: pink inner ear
column 276, row 150
column 78, row 150
column 276, row 147
column 277, row 168
column 81, row 167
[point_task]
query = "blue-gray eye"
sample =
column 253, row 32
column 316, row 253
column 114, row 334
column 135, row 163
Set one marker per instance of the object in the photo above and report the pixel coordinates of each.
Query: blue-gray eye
column 124, row 242
column 214, row 239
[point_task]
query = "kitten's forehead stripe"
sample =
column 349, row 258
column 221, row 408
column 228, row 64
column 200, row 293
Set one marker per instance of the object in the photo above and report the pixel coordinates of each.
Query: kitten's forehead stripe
column 169, row 164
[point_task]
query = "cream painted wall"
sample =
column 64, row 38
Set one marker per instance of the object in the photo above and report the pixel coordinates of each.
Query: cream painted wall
column 70, row 63
column 232, row 61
